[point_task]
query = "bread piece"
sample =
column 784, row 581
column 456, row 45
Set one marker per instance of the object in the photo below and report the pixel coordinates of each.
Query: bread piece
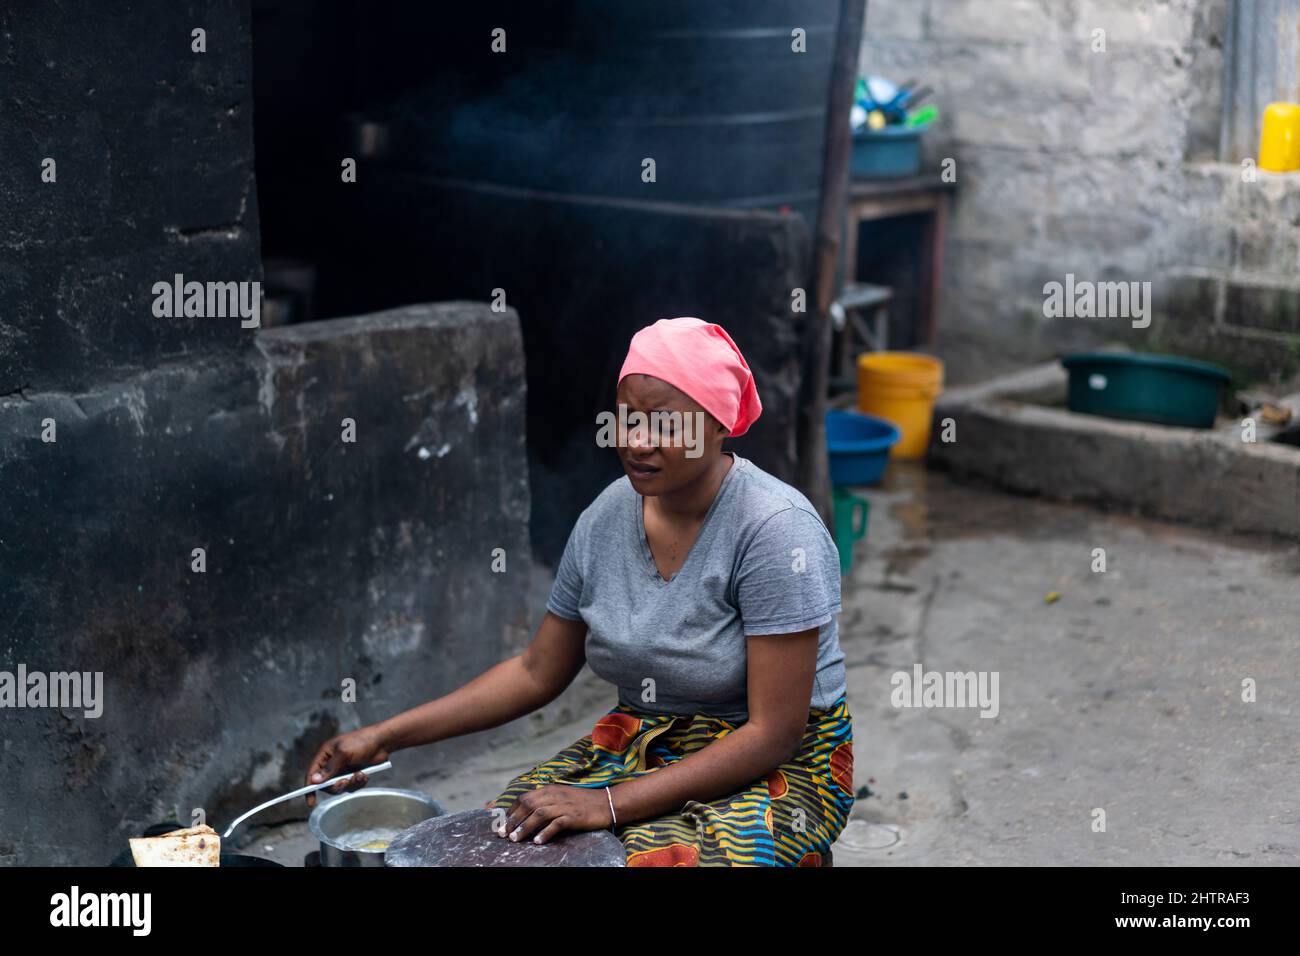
column 196, row 846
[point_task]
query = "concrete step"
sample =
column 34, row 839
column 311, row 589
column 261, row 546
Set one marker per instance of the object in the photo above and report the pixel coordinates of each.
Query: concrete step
column 1010, row 432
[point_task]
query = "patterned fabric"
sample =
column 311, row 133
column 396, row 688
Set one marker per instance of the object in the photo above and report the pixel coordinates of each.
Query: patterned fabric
column 788, row 818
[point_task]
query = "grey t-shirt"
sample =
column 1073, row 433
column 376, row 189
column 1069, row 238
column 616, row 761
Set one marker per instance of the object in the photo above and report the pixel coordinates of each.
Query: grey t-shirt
column 762, row 563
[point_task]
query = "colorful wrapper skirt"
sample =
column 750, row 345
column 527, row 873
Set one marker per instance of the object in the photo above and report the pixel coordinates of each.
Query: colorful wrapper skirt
column 788, row 818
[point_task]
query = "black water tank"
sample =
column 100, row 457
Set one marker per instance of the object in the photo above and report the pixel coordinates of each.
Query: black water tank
column 711, row 90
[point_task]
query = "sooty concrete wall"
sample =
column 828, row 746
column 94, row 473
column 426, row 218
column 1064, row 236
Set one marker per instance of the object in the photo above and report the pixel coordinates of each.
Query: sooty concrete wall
column 152, row 150
column 325, row 560
column 129, row 440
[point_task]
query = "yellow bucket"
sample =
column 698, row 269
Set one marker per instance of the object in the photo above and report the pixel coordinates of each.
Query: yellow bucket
column 901, row 387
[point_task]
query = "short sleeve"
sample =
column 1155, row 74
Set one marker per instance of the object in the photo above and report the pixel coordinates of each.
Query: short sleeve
column 789, row 575
column 566, row 593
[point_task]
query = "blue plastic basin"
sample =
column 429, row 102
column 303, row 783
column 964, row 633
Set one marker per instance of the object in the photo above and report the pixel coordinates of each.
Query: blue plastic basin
column 858, row 446
column 888, row 153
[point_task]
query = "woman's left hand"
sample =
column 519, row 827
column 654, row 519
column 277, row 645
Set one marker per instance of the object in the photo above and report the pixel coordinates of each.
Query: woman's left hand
column 540, row 814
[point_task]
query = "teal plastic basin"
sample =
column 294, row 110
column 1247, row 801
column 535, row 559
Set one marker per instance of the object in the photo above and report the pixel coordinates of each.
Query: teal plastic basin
column 888, row 153
column 1163, row 389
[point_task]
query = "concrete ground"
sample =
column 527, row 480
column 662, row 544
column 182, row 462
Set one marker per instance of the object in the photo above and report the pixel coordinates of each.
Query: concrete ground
column 1120, row 692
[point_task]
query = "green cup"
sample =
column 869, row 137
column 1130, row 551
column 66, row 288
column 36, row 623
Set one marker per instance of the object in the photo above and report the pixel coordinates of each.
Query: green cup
column 851, row 514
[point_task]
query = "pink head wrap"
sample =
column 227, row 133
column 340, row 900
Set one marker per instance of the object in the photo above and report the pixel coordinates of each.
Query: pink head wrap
column 700, row 359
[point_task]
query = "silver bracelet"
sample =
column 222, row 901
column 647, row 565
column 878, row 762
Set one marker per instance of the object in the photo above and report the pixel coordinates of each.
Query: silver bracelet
column 612, row 814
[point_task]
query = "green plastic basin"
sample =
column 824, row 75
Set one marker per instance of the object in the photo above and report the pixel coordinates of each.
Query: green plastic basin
column 1164, row 389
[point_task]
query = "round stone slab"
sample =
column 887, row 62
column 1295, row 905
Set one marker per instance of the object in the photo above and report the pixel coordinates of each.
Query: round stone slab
column 467, row 839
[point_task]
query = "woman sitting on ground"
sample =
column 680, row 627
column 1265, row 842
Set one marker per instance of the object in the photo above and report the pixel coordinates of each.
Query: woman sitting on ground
column 706, row 590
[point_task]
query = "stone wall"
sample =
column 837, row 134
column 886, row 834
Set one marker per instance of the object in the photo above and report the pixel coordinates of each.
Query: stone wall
column 1100, row 164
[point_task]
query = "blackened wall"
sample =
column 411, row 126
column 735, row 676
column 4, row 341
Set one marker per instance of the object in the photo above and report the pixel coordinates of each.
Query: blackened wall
column 153, row 151
column 324, row 560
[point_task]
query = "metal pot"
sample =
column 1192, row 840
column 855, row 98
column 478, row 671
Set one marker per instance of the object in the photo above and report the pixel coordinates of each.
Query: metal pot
column 375, row 814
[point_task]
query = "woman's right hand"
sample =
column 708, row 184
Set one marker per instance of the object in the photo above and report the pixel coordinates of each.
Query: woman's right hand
column 358, row 748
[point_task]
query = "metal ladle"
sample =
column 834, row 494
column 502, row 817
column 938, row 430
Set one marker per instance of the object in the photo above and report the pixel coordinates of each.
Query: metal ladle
column 303, row 791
